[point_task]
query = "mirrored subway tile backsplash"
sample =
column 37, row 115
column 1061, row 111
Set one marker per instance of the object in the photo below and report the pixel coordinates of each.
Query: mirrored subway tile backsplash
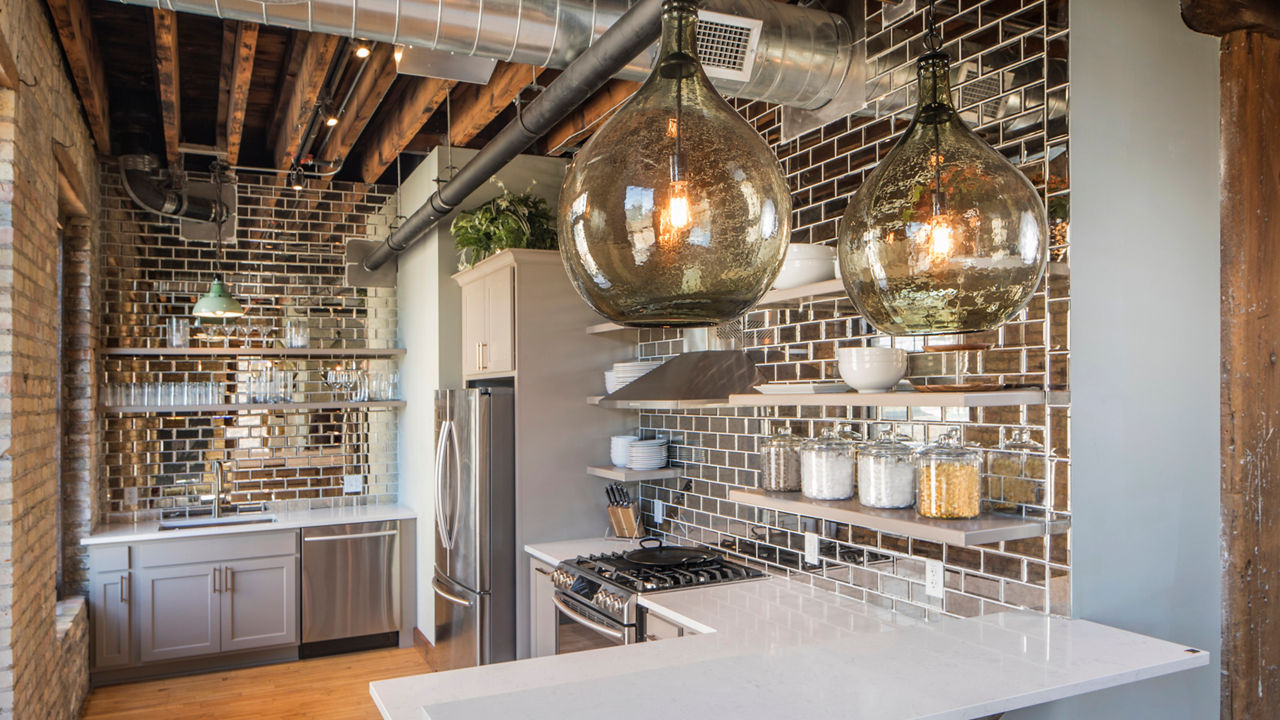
column 1010, row 83
column 296, row 431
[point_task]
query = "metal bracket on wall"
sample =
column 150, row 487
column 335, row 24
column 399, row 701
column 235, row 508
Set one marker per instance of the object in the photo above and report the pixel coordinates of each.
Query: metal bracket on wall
column 357, row 276
column 201, row 230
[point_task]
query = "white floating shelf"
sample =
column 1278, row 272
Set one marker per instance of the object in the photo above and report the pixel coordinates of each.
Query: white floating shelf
column 825, row 289
column 319, row 353
column 988, row 528
column 607, row 327
column 990, row 398
column 236, row 407
column 609, row 472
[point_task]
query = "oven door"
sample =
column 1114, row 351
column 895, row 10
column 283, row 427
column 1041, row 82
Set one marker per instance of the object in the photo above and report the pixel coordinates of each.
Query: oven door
column 581, row 627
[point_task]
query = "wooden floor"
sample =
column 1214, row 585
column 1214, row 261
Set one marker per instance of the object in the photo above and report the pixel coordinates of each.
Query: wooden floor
column 328, row 688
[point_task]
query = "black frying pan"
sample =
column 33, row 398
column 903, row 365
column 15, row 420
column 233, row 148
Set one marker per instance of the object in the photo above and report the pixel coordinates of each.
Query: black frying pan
column 660, row 554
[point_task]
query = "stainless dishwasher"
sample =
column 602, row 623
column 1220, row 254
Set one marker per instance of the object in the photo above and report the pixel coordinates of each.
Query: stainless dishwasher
column 350, row 581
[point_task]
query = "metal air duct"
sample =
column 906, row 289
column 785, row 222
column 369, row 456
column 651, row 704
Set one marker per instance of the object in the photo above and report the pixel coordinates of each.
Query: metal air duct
column 756, row 49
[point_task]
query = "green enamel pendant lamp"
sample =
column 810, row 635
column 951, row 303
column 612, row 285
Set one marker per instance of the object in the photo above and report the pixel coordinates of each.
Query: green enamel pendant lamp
column 218, row 302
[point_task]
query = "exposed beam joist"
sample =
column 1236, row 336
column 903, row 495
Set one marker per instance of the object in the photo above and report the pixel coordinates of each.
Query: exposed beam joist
column 164, row 23
column 8, row 66
column 1220, row 17
column 297, row 108
column 71, row 17
column 239, row 45
column 365, row 98
column 582, row 122
column 475, row 106
column 400, row 124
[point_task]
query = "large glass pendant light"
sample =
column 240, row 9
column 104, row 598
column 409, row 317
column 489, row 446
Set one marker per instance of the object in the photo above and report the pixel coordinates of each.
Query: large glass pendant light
column 675, row 213
column 218, row 303
column 945, row 235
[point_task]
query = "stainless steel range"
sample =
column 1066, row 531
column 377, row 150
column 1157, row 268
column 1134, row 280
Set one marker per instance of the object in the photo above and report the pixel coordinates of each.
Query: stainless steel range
column 597, row 596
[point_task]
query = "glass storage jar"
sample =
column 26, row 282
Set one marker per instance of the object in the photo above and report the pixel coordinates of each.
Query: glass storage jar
column 780, row 461
column 827, row 467
column 1016, row 473
column 950, row 480
column 887, row 473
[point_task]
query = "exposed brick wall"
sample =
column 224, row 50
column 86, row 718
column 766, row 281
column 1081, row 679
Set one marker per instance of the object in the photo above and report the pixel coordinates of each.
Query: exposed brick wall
column 82, row 433
column 41, row 112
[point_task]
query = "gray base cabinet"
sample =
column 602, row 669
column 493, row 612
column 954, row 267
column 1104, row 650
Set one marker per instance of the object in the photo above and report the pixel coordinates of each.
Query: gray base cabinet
column 178, row 611
column 542, row 611
column 259, row 603
column 110, row 597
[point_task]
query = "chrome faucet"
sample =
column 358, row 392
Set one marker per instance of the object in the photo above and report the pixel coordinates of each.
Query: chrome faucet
column 217, row 489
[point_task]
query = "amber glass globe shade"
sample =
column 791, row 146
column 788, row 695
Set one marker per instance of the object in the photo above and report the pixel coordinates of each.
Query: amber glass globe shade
column 945, row 235
column 675, row 213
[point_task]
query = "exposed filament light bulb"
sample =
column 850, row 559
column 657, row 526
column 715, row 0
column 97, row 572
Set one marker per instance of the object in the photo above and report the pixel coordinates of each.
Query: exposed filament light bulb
column 678, row 204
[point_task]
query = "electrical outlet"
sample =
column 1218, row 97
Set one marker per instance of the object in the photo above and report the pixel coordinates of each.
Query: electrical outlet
column 933, row 574
column 352, row 483
column 811, row 548
column 131, row 497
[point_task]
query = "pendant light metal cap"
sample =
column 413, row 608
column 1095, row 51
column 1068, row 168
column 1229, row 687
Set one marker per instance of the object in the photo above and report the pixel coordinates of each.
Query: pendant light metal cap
column 218, row 303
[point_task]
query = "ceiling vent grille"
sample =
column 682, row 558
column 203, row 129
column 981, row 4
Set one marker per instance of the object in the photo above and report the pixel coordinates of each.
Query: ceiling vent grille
column 727, row 45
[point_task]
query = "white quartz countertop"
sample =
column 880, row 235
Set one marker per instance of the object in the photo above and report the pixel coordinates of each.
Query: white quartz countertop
column 150, row 530
column 778, row 648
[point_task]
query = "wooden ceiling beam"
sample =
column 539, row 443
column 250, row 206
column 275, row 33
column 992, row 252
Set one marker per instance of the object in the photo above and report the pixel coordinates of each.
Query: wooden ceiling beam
column 164, row 24
column 475, row 106
column 365, row 98
column 579, row 124
column 401, row 123
column 239, row 45
column 71, row 18
column 316, row 58
column 1220, row 17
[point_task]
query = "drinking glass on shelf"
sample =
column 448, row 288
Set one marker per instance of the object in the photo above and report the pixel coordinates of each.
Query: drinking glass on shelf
column 297, row 333
column 179, row 332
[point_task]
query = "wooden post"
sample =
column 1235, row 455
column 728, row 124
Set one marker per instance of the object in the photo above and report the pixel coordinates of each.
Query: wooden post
column 1250, row 374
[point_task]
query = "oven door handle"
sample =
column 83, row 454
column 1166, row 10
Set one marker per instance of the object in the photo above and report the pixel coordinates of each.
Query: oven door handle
column 573, row 615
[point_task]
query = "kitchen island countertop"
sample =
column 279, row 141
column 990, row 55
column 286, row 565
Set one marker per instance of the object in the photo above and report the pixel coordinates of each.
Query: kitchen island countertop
column 777, row 647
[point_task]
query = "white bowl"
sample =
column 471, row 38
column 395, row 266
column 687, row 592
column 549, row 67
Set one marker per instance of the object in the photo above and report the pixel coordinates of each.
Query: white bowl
column 805, row 264
column 872, row 369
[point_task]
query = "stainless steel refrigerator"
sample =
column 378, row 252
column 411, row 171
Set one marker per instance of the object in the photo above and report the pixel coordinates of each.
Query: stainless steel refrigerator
column 475, row 556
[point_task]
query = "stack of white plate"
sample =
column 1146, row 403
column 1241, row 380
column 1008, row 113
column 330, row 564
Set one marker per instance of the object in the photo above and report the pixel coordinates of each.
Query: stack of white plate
column 625, row 372
column 620, row 449
column 647, row 454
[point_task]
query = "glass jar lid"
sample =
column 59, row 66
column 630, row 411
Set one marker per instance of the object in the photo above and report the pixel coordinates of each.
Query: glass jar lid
column 949, row 447
column 782, row 438
column 845, row 431
column 1022, row 442
column 830, row 441
column 887, row 444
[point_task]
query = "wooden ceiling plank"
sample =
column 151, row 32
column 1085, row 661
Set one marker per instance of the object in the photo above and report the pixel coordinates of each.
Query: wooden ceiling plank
column 1220, row 17
column 316, row 58
column 246, row 47
column 224, row 82
column 475, row 106
column 582, row 122
column 400, row 124
column 71, row 18
column 164, row 23
column 365, row 98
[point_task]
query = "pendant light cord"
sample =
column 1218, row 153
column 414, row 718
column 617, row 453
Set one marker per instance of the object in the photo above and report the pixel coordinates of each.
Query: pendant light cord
column 676, row 174
column 218, row 167
column 933, row 44
column 932, row 40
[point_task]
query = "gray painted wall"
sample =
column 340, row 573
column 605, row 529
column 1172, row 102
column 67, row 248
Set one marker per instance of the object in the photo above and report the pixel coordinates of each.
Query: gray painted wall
column 1144, row 345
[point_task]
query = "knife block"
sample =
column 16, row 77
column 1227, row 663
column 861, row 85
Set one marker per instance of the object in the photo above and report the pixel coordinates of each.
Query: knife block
column 625, row 521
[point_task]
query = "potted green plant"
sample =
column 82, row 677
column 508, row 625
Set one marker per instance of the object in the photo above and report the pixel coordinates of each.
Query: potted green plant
column 511, row 220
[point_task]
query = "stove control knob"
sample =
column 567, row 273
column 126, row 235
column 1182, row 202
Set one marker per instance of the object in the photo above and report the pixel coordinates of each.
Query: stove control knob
column 562, row 579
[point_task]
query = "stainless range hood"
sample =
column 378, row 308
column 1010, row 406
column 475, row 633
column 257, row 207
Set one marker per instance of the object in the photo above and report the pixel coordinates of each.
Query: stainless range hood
column 697, row 378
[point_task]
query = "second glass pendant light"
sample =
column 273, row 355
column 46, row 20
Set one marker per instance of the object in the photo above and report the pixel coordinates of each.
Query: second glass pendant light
column 675, row 212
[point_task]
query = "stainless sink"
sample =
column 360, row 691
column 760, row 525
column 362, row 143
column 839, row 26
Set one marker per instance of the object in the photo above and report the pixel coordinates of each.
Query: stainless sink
column 203, row 522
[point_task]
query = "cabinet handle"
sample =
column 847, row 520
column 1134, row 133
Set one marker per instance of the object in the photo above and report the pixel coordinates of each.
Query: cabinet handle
column 124, row 588
column 484, row 362
column 544, row 571
column 479, row 356
column 228, row 580
column 217, row 574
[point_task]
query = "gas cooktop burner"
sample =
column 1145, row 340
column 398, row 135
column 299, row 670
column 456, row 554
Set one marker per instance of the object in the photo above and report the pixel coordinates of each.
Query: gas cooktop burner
column 616, row 568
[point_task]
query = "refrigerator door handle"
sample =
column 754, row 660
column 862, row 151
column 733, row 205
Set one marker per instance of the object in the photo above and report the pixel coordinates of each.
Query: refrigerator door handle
column 455, row 488
column 446, row 427
column 435, row 585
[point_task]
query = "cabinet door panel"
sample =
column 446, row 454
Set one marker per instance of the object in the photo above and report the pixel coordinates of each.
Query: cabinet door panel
column 474, row 326
column 109, row 600
column 499, row 351
column 260, row 603
column 542, row 612
column 178, row 611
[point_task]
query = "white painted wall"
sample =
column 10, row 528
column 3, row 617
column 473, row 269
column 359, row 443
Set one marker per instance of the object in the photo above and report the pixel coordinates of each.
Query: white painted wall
column 1144, row 345
column 430, row 331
